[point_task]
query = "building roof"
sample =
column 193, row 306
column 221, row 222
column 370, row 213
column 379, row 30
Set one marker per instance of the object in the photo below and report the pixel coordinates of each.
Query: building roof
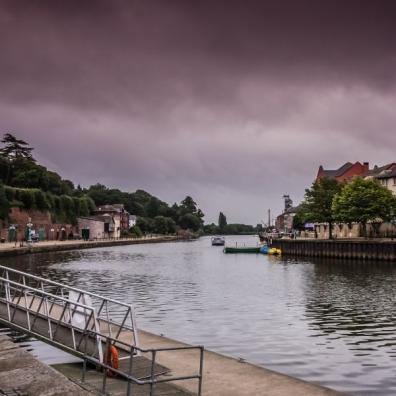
column 387, row 174
column 336, row 172
column 380, row 171
column 345, row 172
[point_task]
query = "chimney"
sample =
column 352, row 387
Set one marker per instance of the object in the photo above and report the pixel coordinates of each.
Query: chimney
column 365, row 166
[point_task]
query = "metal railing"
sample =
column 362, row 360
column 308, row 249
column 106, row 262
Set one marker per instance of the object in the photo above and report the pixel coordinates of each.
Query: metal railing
column 83, row 324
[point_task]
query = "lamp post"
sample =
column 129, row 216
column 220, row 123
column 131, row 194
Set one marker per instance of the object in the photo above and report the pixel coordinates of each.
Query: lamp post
column 12, row 233
column 29, row 232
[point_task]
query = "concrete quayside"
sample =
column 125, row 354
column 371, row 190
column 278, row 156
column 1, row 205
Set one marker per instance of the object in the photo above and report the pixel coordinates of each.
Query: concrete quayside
column 172, row 368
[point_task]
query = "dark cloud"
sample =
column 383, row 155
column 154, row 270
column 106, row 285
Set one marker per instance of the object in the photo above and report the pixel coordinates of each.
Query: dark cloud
column 234, row 102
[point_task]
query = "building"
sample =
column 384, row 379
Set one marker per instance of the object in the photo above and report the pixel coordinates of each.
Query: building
column 132, row 220
column 96, row 227
column 345, row 172
column 284, row 222
column 120, row 217
column 385, row 174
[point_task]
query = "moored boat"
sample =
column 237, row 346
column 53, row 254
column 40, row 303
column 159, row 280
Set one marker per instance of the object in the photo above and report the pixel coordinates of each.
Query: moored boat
column 218, row 241
column 265, row 249
column 242, row 249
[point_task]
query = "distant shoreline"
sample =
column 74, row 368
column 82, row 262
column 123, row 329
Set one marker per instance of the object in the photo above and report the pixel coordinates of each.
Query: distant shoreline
column 8, row 250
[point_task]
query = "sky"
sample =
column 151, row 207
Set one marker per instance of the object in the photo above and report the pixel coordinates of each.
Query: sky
column 235, row 103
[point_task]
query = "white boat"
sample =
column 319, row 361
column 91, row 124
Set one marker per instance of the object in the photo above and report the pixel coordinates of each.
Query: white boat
column 218, row 241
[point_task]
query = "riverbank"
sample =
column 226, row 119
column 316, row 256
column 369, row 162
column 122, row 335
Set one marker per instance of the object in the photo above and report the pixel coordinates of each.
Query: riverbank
column 10, row 249
column 361, row 249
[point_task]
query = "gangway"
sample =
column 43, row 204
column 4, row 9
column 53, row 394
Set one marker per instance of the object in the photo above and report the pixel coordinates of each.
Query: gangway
column 85, row 325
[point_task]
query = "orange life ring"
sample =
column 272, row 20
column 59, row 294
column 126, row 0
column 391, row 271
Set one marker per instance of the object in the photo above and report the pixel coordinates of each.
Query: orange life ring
column 113, row 358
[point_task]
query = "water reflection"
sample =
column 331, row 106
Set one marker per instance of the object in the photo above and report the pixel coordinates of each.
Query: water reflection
column 327, row 321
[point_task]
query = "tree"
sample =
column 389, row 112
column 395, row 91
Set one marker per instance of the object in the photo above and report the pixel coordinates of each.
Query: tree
column 190, row 221
column 4, row 205
column 189, row 205
column 317, row 205
column 15, row 148
column 299, row 220
column 222, row 221
column 136, row 231
column 364, row 201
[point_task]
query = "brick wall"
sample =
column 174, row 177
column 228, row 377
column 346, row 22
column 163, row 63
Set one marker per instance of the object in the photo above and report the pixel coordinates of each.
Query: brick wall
column 40, row 221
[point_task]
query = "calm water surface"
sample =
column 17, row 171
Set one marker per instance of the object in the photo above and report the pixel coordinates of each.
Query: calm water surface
column 330, row 322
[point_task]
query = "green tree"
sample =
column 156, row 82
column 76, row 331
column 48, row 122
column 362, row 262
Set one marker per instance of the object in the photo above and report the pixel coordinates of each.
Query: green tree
column 145, row 224
column 27, row 198
column 222, row 221
column 317, row 205
column 4, row 204
column 189, row 205
column 13, row 151
column 211, row 229
column 299, row 220
column 190, row 221
column 15, row 148
column 136, row 231
column 364, row 201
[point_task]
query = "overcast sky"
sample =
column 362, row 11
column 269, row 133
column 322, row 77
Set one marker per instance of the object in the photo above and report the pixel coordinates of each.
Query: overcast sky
column 233, row 102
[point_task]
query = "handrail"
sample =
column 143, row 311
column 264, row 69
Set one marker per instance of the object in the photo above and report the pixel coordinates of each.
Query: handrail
column 29, row 299
column 64, row 286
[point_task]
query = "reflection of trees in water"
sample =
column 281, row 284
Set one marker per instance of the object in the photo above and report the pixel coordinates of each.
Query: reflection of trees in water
column 354, row 301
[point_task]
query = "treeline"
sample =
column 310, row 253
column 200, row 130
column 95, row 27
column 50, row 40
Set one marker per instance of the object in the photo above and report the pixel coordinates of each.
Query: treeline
column 230, row 229
column 28, row 185
column 223, row 228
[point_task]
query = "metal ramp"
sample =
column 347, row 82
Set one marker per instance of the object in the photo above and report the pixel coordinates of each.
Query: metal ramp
column 86, row 325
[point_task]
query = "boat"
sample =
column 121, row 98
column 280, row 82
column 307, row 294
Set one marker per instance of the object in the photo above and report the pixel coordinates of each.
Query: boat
column 242, row 249
column 218, row 241
column 265, row 249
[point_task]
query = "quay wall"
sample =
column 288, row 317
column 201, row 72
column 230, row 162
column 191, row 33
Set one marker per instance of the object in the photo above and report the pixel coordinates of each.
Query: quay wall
column 346, row 249
column 57, row 246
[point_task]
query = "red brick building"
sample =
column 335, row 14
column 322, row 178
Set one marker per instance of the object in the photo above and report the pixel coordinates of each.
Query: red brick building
column 345, row 172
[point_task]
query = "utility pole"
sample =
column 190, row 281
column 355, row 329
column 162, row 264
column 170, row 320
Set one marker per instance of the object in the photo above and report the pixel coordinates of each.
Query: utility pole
column 269, row 217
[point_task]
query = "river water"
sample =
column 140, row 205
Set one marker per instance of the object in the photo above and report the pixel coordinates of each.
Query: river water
column 329, row 322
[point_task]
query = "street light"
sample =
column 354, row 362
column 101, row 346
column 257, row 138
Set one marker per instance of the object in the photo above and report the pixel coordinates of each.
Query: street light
column 29, row 232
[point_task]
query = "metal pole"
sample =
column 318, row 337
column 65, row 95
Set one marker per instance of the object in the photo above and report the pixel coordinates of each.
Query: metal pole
column 105, row 362
column 152, row 374
column 84, row 370
column 129, row 388
column 201, row 358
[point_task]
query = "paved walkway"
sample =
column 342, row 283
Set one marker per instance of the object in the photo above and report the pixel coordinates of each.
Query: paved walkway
column 226, row 376
column 22, row 373
column 10, row 249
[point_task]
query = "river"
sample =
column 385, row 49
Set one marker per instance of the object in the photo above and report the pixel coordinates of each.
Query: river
column 332, row 322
